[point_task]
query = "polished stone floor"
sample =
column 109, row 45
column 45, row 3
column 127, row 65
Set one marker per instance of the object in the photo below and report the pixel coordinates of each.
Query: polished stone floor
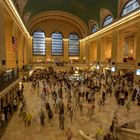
column 17, row 131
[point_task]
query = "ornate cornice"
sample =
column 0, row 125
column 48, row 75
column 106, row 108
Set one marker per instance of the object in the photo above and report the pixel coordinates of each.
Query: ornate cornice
column 61, row 16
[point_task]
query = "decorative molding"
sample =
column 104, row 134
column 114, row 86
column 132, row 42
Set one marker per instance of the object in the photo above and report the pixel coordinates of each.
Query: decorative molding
column 103, row 14
column 131, row 18
column 59, row 15
column 91, row 23
column 10, row 8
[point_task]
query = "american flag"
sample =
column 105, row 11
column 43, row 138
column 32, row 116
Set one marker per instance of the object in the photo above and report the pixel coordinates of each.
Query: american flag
column 14, row 44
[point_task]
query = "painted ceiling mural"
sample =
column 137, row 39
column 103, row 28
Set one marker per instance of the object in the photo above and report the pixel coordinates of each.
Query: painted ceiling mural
column 20, row 5
column 84, row 9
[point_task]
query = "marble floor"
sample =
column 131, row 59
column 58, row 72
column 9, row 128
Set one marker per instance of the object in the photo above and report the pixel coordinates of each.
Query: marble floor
column 16, row 129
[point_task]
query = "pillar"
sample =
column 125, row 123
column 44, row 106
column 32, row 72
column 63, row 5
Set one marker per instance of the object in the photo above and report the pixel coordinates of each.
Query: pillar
column 115, row 39
column 81, row 51
column 99, row 50
column 66, row 50
column 28, row 45
column 2, row 40
column 137, row 64
column 48, row 49
column 103, row 46
column 93, row 52
column 120, row 50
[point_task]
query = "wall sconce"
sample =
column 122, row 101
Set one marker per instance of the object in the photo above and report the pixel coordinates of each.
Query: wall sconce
column 131, row 51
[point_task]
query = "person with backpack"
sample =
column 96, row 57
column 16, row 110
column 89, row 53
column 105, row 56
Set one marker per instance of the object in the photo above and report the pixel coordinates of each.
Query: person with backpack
column 114, row 128
column 50, row 115
column 42, row 118
column 99, row 133
column 61, row 121
column 128, row 106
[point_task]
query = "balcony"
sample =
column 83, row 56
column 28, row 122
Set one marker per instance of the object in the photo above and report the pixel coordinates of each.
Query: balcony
column 8, row 77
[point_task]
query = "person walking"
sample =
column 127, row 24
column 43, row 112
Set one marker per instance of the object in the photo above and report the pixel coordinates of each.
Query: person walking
column 128, row 107
column 99, row 133
column 2, row 117
column 100, row 104
column 42, row 118
column 29, row 118
column 61, row 121
column 114, row 128
column 50, row 115
column 69, row 134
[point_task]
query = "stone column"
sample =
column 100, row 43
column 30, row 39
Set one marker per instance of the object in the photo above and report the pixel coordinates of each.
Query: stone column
column 66, row 50
column 120, row 49
column 25, row 53
column 115, row 38
column 81, row 51
column 103, row 46
column 138, row 44
column 11, row 55
column 93, row 52
column 20, row 51
column 137, row 77
column 29, row 48
column 87, row 46
column 48, row 48
column 89, row 51
column 2, row 40
column 99, row 50
column 17, row 37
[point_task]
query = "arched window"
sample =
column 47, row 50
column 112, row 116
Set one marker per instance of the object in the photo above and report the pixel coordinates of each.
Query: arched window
column 39, row 45
column 107, row 20
column 94, row 28
column 57, row 43
column 73, row 44
column 130, row 6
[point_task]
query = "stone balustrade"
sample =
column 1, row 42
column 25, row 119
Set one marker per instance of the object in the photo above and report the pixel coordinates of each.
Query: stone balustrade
column 129, row 134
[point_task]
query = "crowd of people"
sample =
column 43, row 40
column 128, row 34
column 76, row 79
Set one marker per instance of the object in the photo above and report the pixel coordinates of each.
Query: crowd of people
column 9, row 108
column 66, row 98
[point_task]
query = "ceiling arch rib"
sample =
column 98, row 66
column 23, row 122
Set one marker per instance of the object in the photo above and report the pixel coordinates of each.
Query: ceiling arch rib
column 56, row 28
column 63, row 16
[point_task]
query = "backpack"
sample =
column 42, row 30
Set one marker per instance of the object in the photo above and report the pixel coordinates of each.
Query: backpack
column 50, row 114
column 111, row 128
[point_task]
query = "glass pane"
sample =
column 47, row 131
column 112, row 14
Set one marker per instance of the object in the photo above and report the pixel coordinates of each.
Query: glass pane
column 95, row 28
column 73, row 45
column 130, row 6
column 39, row 46
column 57, row 44
column 107, row 20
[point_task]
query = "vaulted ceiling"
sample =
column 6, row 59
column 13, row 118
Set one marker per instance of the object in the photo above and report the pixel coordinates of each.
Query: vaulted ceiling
column 84, row 9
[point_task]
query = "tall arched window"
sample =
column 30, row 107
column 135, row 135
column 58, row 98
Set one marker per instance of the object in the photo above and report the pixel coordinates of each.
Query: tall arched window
column 107, row 20
column 130, row 6
column 57, row 43
column 94, row 28
column 39, row 45
column 73, row 44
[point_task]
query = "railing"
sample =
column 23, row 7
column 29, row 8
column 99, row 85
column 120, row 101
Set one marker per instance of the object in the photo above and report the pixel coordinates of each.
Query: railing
column 129, row 134
column 127, row 65
column 8, row 77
